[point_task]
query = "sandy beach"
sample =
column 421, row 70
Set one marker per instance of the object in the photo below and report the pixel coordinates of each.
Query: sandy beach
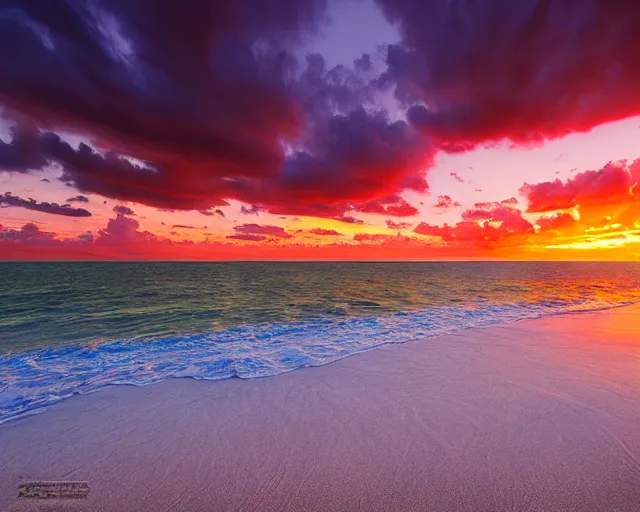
column 539, row 415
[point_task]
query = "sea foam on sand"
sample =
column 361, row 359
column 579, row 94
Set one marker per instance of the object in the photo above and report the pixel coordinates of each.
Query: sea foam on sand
column 538, row 415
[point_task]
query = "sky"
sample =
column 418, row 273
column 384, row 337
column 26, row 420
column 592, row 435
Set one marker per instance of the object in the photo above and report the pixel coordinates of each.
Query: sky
column 312, row 129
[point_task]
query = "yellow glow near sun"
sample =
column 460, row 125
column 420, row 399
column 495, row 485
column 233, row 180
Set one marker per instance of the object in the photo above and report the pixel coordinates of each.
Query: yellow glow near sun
column 623, row 238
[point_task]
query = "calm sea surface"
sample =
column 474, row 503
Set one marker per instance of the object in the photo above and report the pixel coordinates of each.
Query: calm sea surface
column 70, row 328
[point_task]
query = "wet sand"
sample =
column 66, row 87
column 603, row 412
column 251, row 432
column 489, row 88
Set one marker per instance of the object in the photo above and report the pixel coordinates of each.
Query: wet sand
column 540, row 415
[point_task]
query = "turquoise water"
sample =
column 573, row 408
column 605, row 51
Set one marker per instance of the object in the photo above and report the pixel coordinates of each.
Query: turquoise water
column 69, row 328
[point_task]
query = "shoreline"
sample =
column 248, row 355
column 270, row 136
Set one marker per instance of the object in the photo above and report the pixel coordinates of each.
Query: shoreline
column 537, row 414
column 274, row 372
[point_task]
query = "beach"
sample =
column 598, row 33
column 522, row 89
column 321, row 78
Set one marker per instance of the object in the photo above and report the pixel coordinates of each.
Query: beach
column 536, row 415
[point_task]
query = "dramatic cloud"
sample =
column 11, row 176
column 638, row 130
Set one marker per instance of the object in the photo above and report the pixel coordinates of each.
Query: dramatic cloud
column 23, row 153
column 187, row 108
column 183, row 226
column 398, row 225
column 324, row 232
column 616, row 183
column 485, row 224
column 256, row 229
column 8, row 200
column 524, row 70
column 446, row 202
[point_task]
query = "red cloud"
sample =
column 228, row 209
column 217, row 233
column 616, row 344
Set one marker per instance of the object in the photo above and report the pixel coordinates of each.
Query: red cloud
column 476, row 227
column 393, row 205
column 524, row 71
column 446, row 202
column 510, row 218
column 557, row 222
column 613, row 184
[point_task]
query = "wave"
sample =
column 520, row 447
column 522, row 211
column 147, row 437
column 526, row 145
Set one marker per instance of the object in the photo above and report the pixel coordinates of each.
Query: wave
column 33, row 380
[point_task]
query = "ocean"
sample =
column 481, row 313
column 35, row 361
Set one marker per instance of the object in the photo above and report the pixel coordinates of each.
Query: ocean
column 68, row 328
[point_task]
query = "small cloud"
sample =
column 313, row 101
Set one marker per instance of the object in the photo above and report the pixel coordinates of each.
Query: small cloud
column 123, row 210
column 256, row 229
column 248, row 237
column 211, row 213
column 324, row 232
column 456, row 177
column 398, row 225
column 78, row 199
column 9, row 200
column 350, row 220
column 446, row 202
column 254, row 209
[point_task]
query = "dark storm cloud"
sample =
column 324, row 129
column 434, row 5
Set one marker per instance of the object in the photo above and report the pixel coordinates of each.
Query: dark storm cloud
column 23, row 152
column 205, row 97
column 474, row 71
column 187, row 106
